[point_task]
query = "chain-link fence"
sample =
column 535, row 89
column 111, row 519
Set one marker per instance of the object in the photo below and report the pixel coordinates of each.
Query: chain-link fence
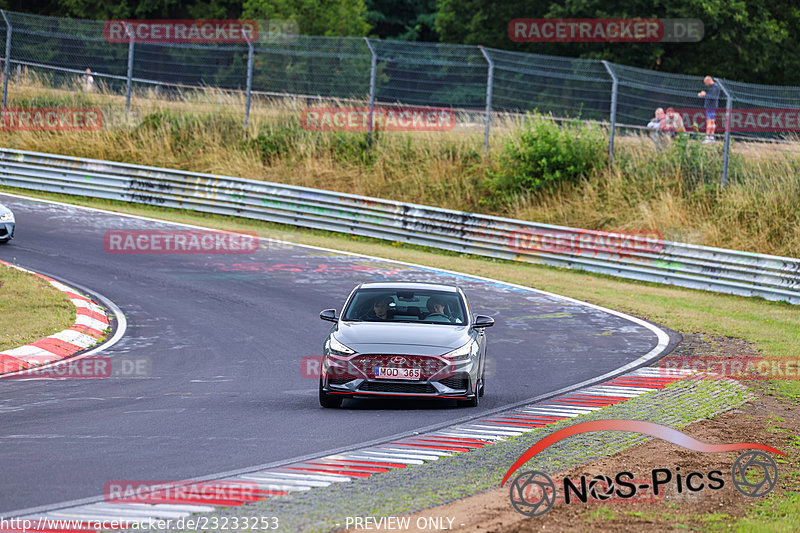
column 473, row 79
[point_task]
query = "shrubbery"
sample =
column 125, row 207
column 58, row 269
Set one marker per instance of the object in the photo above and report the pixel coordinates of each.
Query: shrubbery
column 543, row 155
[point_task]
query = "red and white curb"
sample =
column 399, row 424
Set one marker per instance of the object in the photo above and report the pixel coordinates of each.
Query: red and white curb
column 368, row 461
column 91, row 322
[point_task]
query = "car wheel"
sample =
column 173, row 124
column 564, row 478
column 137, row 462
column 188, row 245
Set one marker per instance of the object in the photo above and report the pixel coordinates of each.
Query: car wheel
column 329, row 401
column 470, row 402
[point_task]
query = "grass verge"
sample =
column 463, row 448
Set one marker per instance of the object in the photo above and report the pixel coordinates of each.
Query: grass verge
column 31, row 308
column 535, row 170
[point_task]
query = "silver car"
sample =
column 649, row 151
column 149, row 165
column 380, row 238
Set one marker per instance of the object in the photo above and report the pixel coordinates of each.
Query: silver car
column 7, row 224
column 416, row 340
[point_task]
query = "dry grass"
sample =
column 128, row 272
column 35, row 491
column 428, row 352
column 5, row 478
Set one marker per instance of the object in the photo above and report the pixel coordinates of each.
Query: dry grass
column 757, row 212
column 31, row 308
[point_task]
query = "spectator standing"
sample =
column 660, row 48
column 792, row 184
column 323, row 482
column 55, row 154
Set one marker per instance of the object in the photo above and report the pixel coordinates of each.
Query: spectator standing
column 656, row 127
column 710, row 103
column 88, row 80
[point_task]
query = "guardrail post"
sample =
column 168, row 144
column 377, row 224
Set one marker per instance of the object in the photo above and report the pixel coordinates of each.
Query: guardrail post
column 130, row 69
column 613, row 117
column 489, row 84
column 372, row 73
column 7, row 60
column 249, row 82
column 727, row 147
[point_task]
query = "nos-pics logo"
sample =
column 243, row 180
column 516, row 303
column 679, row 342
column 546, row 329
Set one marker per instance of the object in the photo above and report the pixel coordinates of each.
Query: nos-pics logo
column 533, row 493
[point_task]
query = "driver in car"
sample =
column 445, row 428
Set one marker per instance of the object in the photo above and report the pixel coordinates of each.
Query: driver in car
column 380, row 309
column 436, row 307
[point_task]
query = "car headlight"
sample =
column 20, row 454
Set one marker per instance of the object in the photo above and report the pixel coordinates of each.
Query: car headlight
column 465, row 352
column 337, row 348
column 8, row 216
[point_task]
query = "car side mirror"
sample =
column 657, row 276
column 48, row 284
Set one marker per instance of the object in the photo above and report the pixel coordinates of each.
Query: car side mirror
column 329, row 315
column 483, row 321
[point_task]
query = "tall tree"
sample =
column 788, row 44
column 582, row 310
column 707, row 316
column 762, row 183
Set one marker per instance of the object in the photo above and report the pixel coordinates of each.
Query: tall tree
column 413, row 20
column 314, row 17
column 757, row 40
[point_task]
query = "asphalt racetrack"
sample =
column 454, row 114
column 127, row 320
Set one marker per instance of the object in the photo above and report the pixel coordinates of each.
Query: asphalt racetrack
column 224, row 336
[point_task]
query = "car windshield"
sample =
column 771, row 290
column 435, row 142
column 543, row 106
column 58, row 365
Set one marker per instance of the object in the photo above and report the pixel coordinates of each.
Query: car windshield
column 402, row 305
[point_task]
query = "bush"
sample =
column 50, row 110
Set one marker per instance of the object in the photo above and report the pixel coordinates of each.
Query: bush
column 275, row 143
column 543, row 155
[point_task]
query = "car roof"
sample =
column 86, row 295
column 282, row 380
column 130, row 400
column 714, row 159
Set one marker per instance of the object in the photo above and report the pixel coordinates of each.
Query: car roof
column 409, row 285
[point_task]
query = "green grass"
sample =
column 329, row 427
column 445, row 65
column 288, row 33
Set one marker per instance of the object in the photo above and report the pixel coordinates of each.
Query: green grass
column 31, row 308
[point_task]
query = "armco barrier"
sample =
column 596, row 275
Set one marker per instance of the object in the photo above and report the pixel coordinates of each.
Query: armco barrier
column 634, row 257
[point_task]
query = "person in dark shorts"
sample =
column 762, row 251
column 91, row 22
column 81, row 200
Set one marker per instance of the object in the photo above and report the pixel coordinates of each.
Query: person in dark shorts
column 710, row 103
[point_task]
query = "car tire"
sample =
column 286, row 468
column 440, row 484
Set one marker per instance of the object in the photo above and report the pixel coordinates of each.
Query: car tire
column 328, row 401
column 469, row 402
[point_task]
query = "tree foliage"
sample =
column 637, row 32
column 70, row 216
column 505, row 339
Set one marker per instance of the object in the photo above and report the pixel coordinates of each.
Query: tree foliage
column 756, row 40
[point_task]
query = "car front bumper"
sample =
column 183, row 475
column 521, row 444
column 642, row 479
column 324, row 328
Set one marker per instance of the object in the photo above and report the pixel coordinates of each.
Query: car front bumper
column 440, row 378
column 7, row 230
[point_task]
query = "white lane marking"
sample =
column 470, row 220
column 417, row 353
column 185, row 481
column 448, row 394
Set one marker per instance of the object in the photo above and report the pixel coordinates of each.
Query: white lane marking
column 385, row 459
column 509, row 431
column 379, row 453
column 596, row 392
column 270, row 481
column 136, row 512
column 94, row 516
column 298, row 475
column 423, row 452
column 625, row 388
column 486, row 436
column 559, row 411
column 77, row 338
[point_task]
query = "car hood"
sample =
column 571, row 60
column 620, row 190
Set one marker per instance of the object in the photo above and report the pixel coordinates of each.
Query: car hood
column 361, row 336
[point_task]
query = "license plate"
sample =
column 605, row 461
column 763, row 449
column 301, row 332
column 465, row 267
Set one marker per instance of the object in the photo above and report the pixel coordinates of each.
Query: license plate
column 388, row 372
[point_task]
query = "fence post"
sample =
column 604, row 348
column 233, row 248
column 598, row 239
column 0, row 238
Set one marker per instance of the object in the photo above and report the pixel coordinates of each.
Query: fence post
column 727, row 148
column 249, row 82
column 372, row 72
column 130, row 69
column 7, row 60
column 489, row 85
column 613, row 117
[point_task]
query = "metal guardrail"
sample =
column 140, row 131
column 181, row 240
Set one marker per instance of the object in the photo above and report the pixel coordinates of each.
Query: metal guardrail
column 628, row 256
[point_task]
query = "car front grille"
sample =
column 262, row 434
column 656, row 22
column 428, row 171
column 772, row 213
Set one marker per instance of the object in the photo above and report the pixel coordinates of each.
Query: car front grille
column 403, row 388
column 457, row 382
column 428, row 365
